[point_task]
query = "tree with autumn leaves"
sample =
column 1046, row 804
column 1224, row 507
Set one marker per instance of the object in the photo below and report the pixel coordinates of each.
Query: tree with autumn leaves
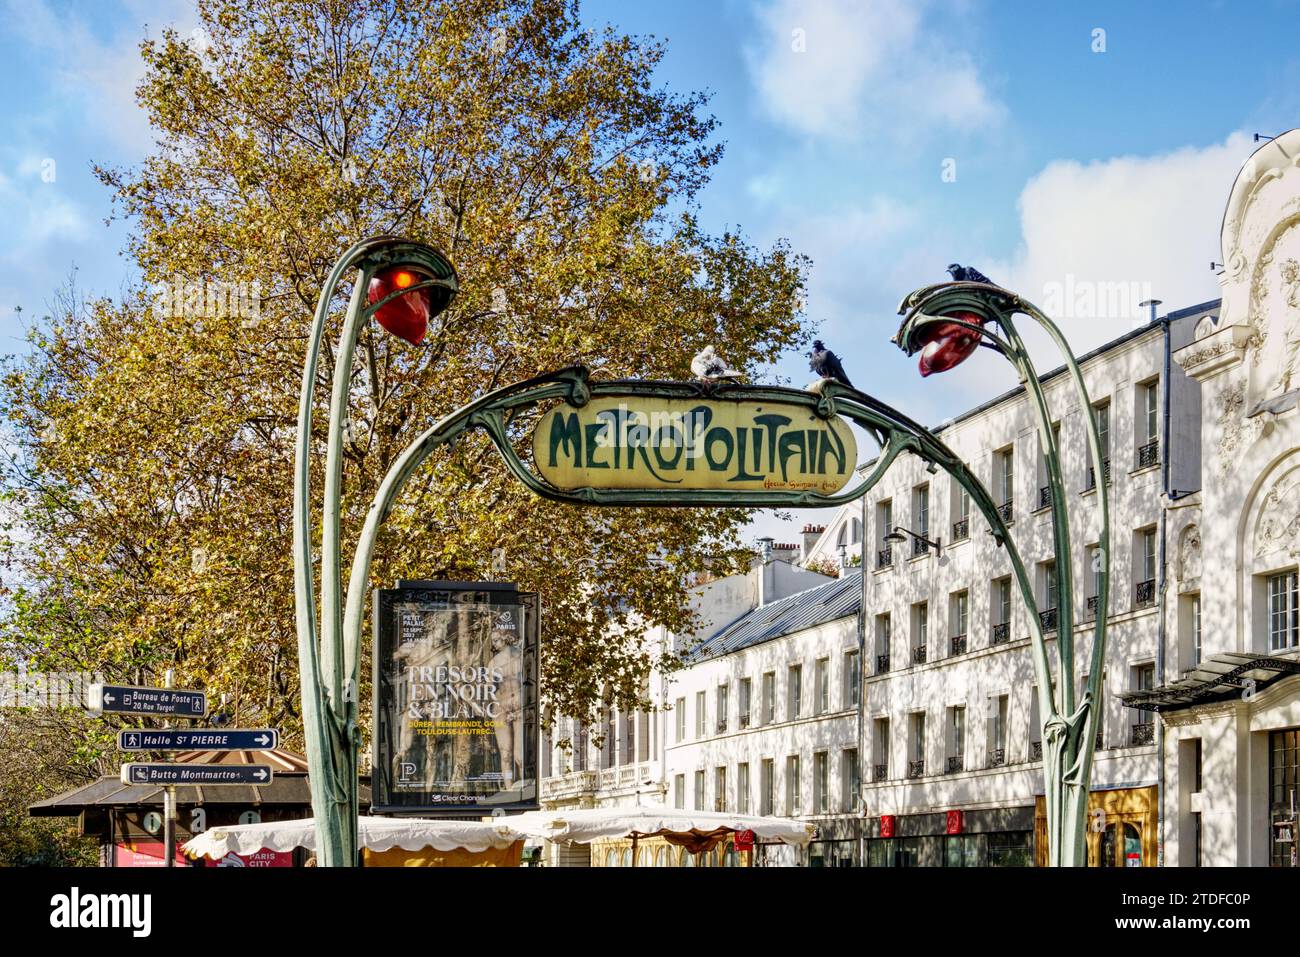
column 149, row 479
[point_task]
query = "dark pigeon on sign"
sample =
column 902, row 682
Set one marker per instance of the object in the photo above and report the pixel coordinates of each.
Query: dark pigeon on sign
column 827, row 364
column 962, row 273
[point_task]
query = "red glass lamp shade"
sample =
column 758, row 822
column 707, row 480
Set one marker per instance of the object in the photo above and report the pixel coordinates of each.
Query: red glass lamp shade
column 945, row 345
column 407, row 316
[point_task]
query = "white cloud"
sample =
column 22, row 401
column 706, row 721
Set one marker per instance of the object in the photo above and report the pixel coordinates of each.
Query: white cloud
column 36, row 212
column 840, row 68
column 1099, row 237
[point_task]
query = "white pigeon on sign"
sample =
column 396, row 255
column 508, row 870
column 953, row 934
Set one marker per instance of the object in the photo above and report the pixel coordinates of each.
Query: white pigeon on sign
column 707, row 364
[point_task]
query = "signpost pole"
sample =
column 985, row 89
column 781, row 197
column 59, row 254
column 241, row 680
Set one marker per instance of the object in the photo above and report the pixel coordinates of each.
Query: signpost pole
column 169, row 797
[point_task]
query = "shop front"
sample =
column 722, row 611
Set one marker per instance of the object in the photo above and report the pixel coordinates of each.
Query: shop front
column 986, row 837
column 1123, row 828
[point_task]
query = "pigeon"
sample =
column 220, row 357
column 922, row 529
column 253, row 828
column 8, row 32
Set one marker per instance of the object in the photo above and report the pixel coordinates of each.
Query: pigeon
column 827, row 364
column 962, row 273
column 707, row 364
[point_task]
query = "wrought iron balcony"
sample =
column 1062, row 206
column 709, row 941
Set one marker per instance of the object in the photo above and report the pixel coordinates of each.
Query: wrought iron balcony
column 996, row 758
column 961, row 529
column 880, row 772
column 1006, row 510
column 1092, row 474
column 920, row 546
column 1101, row 735
column 1035, row 750
column 885, row 557
column 882, row 664
column 1047, row 618
column 1149, row 454
column 722, row 726
column 955, row 764
column 1002, row 633
column 1044, row 496
column 915, row 769
column 1092, row 606
column 918, row 655
column 1144, row 593
column 1144, row 732
column 744, row 719
column 959, row 644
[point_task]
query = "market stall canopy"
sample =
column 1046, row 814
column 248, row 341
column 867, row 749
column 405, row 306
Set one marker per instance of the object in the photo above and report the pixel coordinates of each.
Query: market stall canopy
column 377, row 834
column 288, row 787
column 694, row 830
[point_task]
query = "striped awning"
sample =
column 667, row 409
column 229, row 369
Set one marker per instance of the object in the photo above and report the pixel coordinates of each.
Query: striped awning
column 1229, row 675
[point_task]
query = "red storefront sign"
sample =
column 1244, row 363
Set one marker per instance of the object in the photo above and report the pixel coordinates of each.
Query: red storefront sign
column 145, row 854
column 886, row 825
column 744, row 840
column 955, row 822
column 260, row 858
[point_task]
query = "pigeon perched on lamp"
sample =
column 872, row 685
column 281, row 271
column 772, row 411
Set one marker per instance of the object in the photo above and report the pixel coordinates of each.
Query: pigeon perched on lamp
column 709, row 366
column 827, row 364
column 962, row 273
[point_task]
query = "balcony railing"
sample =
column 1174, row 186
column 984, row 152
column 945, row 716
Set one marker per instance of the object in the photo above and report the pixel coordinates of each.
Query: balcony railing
column 959, row 644
column 955, row 764
column 1101, row 737
column 961, row 529
column 1002, row 633
column 1044, row 496
column 880, row 772
column 1144, row 593
column 1092, row 474
column 1047, row 618
column 1035, row 750
column 1144, row 732
column 744, row 719
column 1092, row 606
column 882, row 664
column 1149, row 454
column 918, row 655
column 1006, row 510
column 996, row 758
column 915, row 769
column 885, row 557
column 722, row 726
column 920, row 547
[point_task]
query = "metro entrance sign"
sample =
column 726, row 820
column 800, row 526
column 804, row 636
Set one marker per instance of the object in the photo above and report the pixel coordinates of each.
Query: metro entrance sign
column 204, row 774
column 163, row 702
column 196, row 739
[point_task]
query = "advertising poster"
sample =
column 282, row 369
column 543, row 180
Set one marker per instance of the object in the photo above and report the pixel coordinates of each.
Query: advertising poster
column 455, row 697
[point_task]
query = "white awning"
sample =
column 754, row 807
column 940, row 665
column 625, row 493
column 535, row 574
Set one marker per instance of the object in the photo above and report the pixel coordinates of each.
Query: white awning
column 584, row 825
column 373, row 833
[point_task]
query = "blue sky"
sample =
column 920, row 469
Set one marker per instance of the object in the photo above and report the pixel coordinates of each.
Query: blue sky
column 885, row 138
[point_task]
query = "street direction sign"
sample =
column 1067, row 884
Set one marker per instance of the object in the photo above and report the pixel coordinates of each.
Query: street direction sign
column 126, row 699
column 204, row 774
column 197, row 739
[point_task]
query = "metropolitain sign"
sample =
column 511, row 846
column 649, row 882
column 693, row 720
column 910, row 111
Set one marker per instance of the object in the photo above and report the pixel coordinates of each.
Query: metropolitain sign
column 651, row 442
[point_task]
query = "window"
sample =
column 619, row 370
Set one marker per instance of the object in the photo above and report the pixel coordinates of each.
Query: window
column 1047, row 603
column 1101, row 707
column 579, row 745
column 722, row 708
column 793, row 793
column 880, row 749
column 742, row 788
column 916, row 747
column 1004, row 479
column 793, row 691
column 701, row 705
column 643, row 736
column 1196, row 629
column 627, row 743
column 1001, row 610
column 884, row 525
column 1144, row 592
column 822, row 676
column 850, row 779
column 1283, row 612
column 883, row 629
column 852, row 693
column 920, row 631
column 699, row 791
column 821, row 782
column 1011, row 849
column 997, row 734
column 1283, row 787
column 769, row 697
column 1044, row 497
column 855, row 533
column 1143, row 679
column 680, row 708
column 956, row 739
column 963, row 850
column 766, row 787
column 959, row 621
column 1147, row 422
column 1102, row 413
column 921, row 518
column 960, row 512
column 720, row 789
column 744, row 702
column 679, row 792
column 607, row 745
column 1094, row 580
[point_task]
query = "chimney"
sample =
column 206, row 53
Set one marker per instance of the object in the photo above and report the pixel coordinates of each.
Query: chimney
column 811, row 533
column 764, row 569
column 1151, row 303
